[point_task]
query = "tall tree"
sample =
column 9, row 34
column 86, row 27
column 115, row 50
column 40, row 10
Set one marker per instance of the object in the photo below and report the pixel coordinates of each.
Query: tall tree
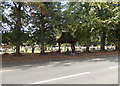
column 14, row 18
column 104, row 13
column 85, row 24
column 114, row 24
column 42, row 21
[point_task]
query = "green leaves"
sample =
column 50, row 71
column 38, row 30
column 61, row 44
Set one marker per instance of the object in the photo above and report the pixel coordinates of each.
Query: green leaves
column 45, row 21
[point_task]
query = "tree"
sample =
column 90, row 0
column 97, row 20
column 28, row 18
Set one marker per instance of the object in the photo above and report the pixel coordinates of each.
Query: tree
column 114, row 24
column 41, row 20
column 104, row 13
column 85, row 23
column 14, row 19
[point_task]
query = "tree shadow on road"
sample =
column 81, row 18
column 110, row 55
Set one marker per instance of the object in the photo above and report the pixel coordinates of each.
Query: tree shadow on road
column 56, row 63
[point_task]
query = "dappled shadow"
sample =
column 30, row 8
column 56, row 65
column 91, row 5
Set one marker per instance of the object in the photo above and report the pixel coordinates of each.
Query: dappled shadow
column 99, row 59
column 56, row 63
column 92, row 60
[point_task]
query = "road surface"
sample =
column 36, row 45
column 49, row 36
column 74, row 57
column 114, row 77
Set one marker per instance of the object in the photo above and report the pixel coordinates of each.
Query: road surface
column 78, row 71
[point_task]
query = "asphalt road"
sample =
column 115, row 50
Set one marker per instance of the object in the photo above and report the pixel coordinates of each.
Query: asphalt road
column 78, row 71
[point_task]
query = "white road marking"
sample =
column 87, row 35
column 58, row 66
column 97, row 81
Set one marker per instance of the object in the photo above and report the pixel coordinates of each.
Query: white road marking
column 64, row 77
column 40, row 66
column 5, row 70
column 8, row 70
column 49, row 65
column 67, row 63
column 98, row 59
column 27, row 65
column 113, row 67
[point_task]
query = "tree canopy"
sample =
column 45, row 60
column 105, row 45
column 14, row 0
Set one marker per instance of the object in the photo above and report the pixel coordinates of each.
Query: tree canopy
column 41, row 23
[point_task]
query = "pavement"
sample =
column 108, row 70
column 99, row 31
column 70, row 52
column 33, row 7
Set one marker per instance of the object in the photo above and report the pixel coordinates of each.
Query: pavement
column 75, row 71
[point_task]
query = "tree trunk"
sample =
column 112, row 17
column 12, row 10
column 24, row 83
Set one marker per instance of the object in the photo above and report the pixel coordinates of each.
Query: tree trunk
column 117, row 48
column 88, row 46
column 18, row 28
column 73, row 47
column 103, row 39
column 59, row 48
column 26, row 49
column 42, row 48
column 17, row 49
column 42, row 36
column 33, row 48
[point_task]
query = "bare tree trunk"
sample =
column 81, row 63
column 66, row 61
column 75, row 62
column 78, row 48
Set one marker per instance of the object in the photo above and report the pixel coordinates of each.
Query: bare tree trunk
column 18, row 28
column 17, row 49
column 33, row 48
column 59, row 48
column 103, row 39
column 42, row 36
column 73, row 47
column 42, row 48
column 117, row 48
column 26, row 49
column 88, row 46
